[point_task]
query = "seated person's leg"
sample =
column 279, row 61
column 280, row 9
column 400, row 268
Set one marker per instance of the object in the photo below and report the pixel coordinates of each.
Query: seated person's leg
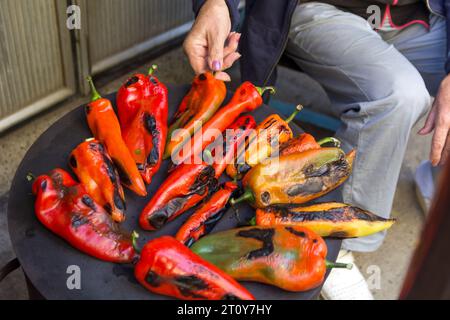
column 374, row 89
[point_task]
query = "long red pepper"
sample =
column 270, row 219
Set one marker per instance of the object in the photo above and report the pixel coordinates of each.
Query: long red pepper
column 199, row 105
column 233, row 137
column 103, row 122
column 246, row 98
column 96, row 172
column 169, row 268
column 63, row 206
column 206, row 216
column 142, row 104
column 187, row 185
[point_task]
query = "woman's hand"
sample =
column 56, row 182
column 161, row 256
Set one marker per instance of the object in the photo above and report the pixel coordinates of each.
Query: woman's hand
column 209, row 45
column 439, row 120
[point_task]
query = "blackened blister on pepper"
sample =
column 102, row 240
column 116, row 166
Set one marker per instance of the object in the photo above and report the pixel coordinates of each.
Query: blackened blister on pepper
column 263, row 235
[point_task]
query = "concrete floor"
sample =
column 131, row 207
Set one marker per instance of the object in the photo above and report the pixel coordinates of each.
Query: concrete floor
column 392, row 258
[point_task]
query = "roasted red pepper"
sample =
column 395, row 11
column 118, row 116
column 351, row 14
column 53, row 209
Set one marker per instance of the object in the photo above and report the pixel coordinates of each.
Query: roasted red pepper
column 96, row 172
column 263, row 143
column 296, row 178
column 305, row 142
column 233, row 137
column 169, row 268
column 246, row 98
column 142, row 104
column 289, row 257
column 105, row 126
column 329, row 219
column 186, row 186
column 202, row 101
column 205, row 217
column 63, row 206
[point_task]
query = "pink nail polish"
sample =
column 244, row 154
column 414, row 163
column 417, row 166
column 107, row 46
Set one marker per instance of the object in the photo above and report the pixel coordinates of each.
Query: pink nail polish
column 216, row 65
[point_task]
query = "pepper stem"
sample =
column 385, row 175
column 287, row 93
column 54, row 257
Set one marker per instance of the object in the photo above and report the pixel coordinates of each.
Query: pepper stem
column 95, row 94
column 152, row 69
column 252, row 221
column 264, row 89
column 30, row 176
column 134, row 237
column 335, row 141
column 298, row 108
column 246, row 196
column 330, row 265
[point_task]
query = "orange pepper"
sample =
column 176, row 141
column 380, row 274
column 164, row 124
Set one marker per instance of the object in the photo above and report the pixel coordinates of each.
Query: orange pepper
column 202, row 101
column 103, row 122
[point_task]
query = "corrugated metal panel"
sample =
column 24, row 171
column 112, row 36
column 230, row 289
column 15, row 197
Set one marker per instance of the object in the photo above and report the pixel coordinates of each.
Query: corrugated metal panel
column 119, row 29
column 32, row 70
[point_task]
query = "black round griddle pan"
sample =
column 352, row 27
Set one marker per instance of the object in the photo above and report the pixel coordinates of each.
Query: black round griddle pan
column 45, row 258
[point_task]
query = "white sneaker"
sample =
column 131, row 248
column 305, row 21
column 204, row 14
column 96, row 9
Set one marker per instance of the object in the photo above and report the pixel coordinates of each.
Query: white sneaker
column 344, row 284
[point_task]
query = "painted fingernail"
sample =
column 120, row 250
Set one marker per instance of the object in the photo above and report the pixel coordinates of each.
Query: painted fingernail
column 216, row 65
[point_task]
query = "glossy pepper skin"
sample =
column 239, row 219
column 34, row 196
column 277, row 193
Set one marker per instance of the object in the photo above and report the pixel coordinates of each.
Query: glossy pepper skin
column 169, row 268
column 296, row 178
column 239, row 130
column 289, row 257
column 206, row 216
column 142, row 104
column 246, row 98
column 263, row 143
column 105, row 126
column 202, row 101
column 96, row 172
column 186, row 186
column 305, row 142
column 330, row 219
column 63, row 206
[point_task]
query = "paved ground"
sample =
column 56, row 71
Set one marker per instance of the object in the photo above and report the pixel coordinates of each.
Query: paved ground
column 393, row 257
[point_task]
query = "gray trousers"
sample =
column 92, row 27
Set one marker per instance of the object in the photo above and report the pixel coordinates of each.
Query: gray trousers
column 379, row 85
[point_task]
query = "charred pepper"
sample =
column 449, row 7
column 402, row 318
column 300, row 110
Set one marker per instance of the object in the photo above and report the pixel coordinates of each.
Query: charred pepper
column 63, row 206
column 169, row 268
column 296, row 178
column 305, row 142
column 264, row 141
column 145, row 133
column 289, row 257
column 246, row 98
column 206, row 216
column 233, row 137
column 96, row 172
column 186, row 186
column 105, row 126
column 202, row 101
column 332, row 219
